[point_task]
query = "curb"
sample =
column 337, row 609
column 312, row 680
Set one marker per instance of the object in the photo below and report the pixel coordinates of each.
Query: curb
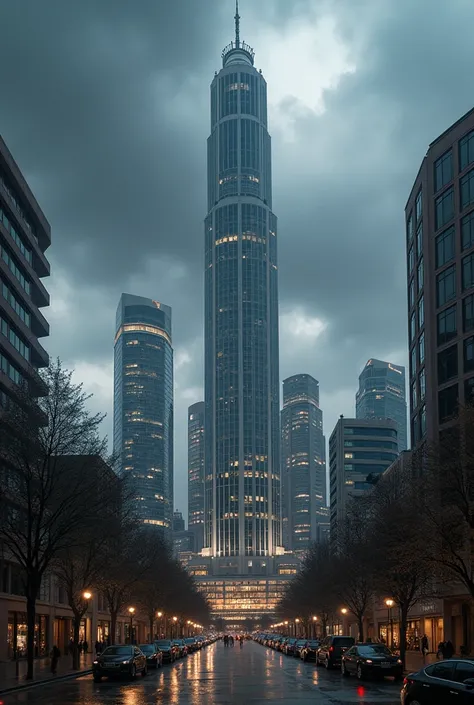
column 47, row 681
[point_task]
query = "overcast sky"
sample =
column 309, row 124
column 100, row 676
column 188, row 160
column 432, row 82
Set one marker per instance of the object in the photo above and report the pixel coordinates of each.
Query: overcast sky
column 105, row 106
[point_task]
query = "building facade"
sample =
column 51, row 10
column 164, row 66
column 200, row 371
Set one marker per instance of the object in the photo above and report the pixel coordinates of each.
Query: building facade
column 25, row 235
column 359, row 450
column 440, row 270
column 382, row 395
column 143, row 406
column 242, row 476
column 303, row 464
column 196, row 414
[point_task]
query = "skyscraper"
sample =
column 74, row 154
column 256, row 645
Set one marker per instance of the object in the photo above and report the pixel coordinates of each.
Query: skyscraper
column 382, row 395
column 143, row 405
column 303, row 465
column 440, row 268
column 242, row 488
column 196, row 473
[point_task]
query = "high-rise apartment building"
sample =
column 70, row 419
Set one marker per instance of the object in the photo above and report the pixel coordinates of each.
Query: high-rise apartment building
column 303, row 465
column 238, row 569
column 382, row 395
column 25, row 236
column 196, row 473
column 359, row 450
column 143, row 406
column 440, row 269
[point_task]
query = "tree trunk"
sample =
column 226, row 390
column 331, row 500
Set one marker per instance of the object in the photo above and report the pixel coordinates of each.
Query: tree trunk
column 403, row 633
column 113, row 626
column 31, row 623
column 75, row 647
column 152, row 623
column 360, row 623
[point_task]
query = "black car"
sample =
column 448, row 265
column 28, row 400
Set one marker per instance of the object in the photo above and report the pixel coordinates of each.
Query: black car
column 331, row 649
column 191, row 644
column 168, row 649
column 308, row 653
column 366, row 660
column 298, row 647
column 118, row 661
column 154, row 657
column 446, row 682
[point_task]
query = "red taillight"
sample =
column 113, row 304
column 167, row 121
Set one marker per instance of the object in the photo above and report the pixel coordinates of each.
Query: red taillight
column 407, row 681
column 331, row 648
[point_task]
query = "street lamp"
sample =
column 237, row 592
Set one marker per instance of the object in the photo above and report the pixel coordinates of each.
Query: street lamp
column 131, row 611
column 390, row 603
column 87, row 595
column 175, row 619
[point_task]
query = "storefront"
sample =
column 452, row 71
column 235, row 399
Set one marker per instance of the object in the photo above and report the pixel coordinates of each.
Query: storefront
column 17, row 635
column 103, row 630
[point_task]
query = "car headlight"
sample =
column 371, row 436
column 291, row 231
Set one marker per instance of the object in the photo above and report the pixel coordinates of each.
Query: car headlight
column 369, row 660
column 95, row 663
column 399, row 660
column 126, row 663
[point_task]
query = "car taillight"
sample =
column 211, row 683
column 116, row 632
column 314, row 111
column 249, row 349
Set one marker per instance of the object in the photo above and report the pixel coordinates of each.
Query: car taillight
column 407, row 681
column 331, row 648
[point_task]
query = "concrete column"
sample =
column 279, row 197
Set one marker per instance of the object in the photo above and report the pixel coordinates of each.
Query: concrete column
column 93, row 621
column 447, row 621
column 3, row 630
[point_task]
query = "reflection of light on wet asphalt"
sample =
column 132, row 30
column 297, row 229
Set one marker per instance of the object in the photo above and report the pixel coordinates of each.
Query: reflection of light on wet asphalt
column 361, row 691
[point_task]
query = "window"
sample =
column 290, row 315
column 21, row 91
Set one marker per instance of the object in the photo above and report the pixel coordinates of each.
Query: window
column 447, row 403
column 463, row 671
column 468, row 272
column 422, row 384
column 423, row 420
column 419, row 206
column 419, row 239
column 468, row 313
column 421, row 275
column 467, row 189
column 414, row 398
column 469, row 391
column 445, row 248
column 469, row 354
column 466, row 150
column 446, row 285
column 444, row 208
column 441, row 670
column 443, row 170
column 411, row 259
column 421, row 312
column 447, row 364
column 411, row 293
column 410, row 227
column 413, row 361
column 412, row 327
column 447, row 325
column 421, row 348
column 467, row 231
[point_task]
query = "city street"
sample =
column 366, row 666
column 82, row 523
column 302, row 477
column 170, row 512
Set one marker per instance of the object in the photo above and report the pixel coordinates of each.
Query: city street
column 220, row 676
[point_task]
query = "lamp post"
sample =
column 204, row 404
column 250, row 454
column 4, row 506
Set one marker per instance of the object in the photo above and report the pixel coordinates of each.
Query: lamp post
column 344, row 612
column 390, row 603
column 86, row 596
column 159, row 615
column 297, row 621
column 175, row 619
column 131, row 611
column 315, row 619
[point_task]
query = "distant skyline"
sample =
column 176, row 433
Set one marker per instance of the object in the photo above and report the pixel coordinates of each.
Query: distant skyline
column 351, row 121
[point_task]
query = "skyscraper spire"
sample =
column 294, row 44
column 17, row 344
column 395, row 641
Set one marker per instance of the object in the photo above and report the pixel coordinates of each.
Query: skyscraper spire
column 237, row 24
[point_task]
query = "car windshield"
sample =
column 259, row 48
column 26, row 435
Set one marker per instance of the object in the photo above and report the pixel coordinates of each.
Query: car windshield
column 291, row 641
column 163, row 643
column 189, row 641
column 146, row 647
column 313, row 643
column 117, row 651
column 374, row 650
column 300, row 642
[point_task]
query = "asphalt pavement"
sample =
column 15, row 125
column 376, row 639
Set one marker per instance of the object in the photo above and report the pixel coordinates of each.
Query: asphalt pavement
column 253, row 675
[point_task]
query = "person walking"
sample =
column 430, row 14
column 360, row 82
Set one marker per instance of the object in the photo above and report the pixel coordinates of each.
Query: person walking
column 231, row 640
column 440, row 654
column 449, row 649
column 241, row 640
column 85, row 646
column 55, row 654
column 226, row 640
column 424, row 645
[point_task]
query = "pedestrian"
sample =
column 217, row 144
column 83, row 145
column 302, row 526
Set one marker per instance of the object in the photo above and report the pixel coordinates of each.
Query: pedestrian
column 85, row 646
column 55, row 654
column 231, row 640
column 97, row 647
column 440, row 655
column 226, row 640
column 449, row 649
column 71, row 646
column 424, row 645
column 241, row 640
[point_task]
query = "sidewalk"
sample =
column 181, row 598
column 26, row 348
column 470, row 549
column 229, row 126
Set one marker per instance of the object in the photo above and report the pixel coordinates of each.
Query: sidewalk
column 414, row 660
column 42, row 671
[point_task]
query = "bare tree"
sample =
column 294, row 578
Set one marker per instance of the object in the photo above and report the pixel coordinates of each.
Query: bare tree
column 42, row 503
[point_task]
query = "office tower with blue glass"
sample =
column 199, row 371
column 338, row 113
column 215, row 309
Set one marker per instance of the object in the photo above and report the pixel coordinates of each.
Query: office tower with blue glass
column 143, row 406
column 196, row 473
column 382, row 395
column 242, row 512
column 303, row 462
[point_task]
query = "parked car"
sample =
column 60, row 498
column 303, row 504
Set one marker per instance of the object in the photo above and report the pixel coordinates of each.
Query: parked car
column 446, row 682
column 168, row 649
column 308, row 652
column 364, row 660
column 181, row 646
column 289, row 646
column 191, row 643
column 154, row 657
column 299, row 645
column 119, row 660
column 331, row 649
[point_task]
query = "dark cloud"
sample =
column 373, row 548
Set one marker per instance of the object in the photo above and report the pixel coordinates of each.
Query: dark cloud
column 105, row 105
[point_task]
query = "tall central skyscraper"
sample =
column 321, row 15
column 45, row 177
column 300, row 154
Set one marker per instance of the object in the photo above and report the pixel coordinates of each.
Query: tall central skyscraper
column 242, row 478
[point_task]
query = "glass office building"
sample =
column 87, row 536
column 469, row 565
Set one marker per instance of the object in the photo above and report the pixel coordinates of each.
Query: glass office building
column 382, row 395
column 143, row 405
column 242, row 477
column 196, row 473
column 303, row 462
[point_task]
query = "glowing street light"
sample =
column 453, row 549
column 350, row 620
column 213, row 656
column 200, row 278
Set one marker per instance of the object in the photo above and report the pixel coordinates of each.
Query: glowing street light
column 159, row 615
column 315, row 619
column 131, row 611
column 389, row 602
column 344, row 610
column 87, row 595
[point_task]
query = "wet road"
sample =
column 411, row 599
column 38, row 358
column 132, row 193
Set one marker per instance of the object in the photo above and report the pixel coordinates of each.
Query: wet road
column 217, row 675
